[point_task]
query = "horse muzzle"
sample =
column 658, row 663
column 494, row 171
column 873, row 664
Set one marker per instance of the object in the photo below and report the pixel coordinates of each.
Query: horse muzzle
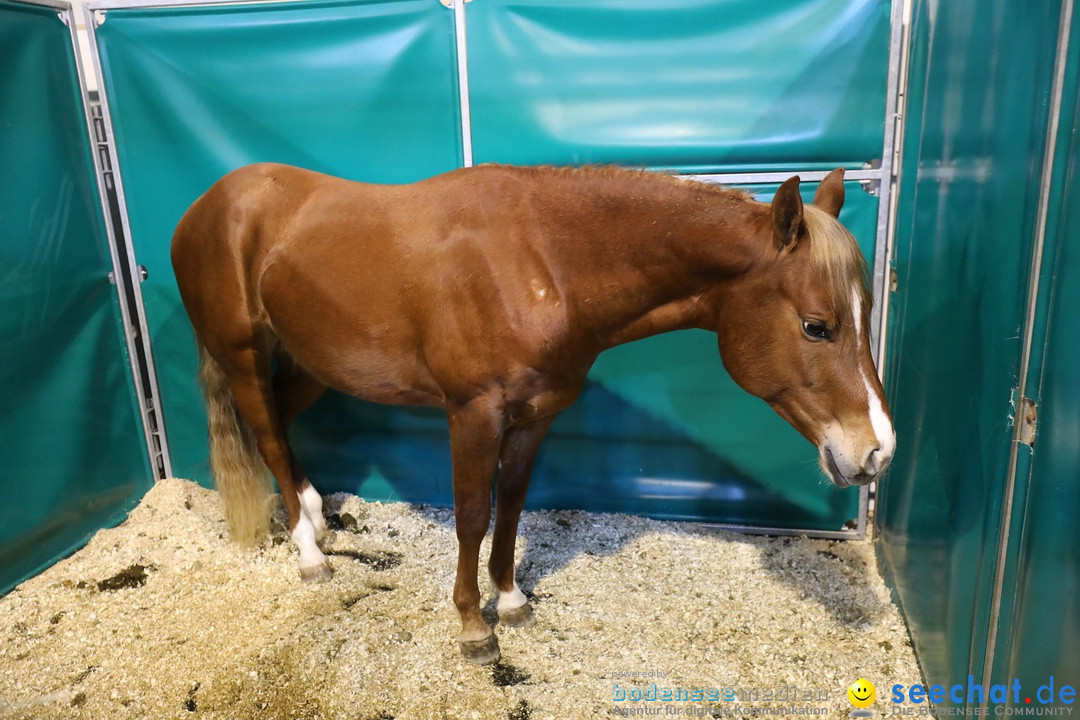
column 855, row 466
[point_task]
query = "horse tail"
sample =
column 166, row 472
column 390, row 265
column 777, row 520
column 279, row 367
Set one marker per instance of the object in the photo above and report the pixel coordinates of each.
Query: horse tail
column 238, row 468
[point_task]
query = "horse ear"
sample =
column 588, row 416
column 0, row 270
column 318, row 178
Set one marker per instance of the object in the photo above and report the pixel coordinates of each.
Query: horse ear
column 787, row 211
column 830, row 193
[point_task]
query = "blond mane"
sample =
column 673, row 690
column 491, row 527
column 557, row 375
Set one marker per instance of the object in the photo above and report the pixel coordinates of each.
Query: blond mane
column 836, row 256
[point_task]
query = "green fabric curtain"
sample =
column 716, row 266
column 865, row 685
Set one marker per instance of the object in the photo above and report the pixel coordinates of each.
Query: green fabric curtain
column 979, row 89
column 70, row 438
column 368, row 90
column 698, row 85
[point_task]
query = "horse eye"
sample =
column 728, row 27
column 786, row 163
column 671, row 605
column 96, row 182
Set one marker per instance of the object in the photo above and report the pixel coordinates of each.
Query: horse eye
column 815, row 330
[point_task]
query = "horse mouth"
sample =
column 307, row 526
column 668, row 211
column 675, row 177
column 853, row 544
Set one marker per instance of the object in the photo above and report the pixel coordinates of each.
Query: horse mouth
column 833, row 469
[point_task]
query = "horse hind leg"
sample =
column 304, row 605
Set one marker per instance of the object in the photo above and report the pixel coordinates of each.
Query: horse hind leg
column 516, row 457
column 295, row 390
column 311, row 504
column 249, row 377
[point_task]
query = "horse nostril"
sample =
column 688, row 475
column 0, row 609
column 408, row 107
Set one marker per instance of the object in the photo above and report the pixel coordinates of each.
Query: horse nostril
column 873, row 463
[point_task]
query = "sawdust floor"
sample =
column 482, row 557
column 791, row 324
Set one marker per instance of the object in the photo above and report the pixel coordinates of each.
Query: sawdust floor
column 162, row 617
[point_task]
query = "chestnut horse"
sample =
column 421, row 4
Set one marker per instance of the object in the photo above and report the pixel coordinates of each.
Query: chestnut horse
column 490, row 291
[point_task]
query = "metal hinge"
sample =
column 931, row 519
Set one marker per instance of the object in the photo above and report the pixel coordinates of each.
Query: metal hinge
column 1027, row 417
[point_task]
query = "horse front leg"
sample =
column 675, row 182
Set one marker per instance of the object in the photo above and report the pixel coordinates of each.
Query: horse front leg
column 475, row 437
column 515, row 467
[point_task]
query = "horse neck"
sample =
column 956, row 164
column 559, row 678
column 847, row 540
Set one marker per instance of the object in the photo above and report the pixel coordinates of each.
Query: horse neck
column 652, row 256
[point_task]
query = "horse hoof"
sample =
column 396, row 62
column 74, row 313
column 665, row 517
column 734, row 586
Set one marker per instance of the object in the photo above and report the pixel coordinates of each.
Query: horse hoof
column 481, row 652
column 317, row 573
column 518, row 617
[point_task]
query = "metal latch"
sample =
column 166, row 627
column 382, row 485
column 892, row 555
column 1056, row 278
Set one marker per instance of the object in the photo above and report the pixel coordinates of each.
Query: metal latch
column 1028, row 419
column 872, row 187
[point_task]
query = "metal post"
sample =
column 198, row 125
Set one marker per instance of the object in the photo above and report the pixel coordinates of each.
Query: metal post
column 463, row 82
column 890, row 181
column 126, row 272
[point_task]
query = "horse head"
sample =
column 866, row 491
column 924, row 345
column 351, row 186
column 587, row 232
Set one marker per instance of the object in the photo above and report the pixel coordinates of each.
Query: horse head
column 794, row 331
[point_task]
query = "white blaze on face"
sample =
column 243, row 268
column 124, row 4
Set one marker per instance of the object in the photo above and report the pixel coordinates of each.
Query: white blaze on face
column 879, row 419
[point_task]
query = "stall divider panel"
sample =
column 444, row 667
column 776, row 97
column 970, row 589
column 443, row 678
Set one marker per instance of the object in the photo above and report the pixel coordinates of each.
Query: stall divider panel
column 358, row 89
column 372, row 90
column 1039, row 565
column 973, row 195
column 551, row 78
column 70, row 431
column 697, row 86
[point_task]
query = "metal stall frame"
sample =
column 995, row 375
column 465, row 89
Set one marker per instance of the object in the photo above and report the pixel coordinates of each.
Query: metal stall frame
column 883, row 181
column 879, row 177
column 125, row 270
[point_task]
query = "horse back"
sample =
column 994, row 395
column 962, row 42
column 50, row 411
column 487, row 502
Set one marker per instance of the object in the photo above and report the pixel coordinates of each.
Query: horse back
column 404, row 294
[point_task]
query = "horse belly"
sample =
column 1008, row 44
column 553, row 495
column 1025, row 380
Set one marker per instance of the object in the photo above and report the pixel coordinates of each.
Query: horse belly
column 374, row 375
column 356, row 341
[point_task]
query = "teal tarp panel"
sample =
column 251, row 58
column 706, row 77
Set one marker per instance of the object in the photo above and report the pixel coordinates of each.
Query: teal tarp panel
column 699, row 85
column 660, row 430
column 1042, row 581
column 73, row 449
column 979, row 83
column 365, row 90
column 368, row 91
column 1047, row 578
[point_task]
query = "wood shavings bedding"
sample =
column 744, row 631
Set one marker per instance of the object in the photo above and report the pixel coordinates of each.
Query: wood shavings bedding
column 163, row 617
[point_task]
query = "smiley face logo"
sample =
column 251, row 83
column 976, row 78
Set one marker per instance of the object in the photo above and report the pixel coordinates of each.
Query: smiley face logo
column 862, row 693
